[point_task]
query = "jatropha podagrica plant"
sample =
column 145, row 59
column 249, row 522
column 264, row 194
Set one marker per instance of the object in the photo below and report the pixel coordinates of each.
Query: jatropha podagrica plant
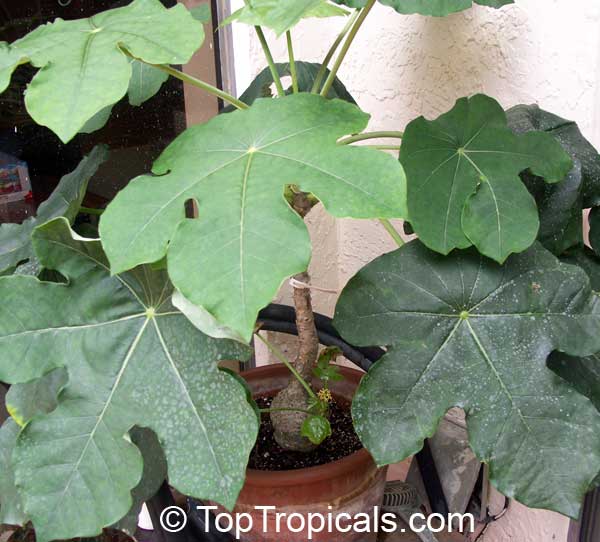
column 493, row 308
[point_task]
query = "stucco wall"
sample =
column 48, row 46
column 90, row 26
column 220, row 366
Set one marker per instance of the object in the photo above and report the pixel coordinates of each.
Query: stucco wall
column 400, row 67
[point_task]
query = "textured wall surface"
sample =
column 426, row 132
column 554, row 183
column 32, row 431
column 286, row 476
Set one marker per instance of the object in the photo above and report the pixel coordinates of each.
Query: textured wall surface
column 400, row 67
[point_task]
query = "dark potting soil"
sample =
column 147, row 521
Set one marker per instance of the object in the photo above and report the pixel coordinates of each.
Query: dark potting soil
column 268, row 455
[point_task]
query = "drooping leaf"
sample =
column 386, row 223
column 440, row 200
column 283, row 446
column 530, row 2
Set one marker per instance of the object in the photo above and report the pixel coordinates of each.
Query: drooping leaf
column 463, row 180
column 281, row 15
column 132, row 359
column 316, row 429
column 437, row 8
column 145, row 82
column 15, row 243
column 153, row 475
column 595, row 229
column 525, row 118
column 464, row 331
column 39, row 396
column 247, row 240
column 306, row 73
column 11, row 504
column 83, row 66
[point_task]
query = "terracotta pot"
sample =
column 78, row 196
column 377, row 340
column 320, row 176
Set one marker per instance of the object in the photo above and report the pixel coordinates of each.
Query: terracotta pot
column 350, row 485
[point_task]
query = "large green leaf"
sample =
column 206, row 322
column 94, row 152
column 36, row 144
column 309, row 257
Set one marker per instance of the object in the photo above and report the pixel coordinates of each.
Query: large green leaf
column 83, row 66
column 306, row 73
column 11, row 504
column 247, row 240
column 463, row 179
column 132, row 359
column 281, row 15
column 525, row 118
column 437, row 8
column 15, row 239
column 464, row 331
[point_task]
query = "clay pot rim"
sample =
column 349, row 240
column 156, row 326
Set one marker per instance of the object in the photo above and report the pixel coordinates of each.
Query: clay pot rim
column 306, row 475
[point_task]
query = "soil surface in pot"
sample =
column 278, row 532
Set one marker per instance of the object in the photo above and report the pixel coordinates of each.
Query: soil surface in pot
column 268, row 455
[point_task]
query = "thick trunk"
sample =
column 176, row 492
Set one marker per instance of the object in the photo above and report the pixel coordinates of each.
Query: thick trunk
column 287, row 424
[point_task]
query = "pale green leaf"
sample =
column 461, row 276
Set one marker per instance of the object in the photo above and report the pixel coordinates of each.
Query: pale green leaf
column 462, row 331
column 40, row 396
column 132, row 359
column 15, row 242
column 281, row 15
column 83, row 66
column 247, row 240
column 437, row 8
column 145, row 82
column 463, row 179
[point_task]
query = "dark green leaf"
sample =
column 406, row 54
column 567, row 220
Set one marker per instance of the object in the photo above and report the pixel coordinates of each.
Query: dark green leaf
column 37, row 397
column 464, row 331
column 560, row 209
column 585, row 258
column 316, row 429
column 306, row 73
column 437, row 8
column 583, row 373
column 83, row 66
column 463, row 179
column 15, row 239
column 247, row 240
column 524, row 118
column 132, row 359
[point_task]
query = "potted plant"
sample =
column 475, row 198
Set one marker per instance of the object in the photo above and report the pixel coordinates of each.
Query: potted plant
column 479, row 313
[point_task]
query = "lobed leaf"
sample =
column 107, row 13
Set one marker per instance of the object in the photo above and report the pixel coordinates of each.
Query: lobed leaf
column 437, row 8
column 132, row 359
column 465, row 332
column 281, row 15
column 15, row 239
column 463, row 179
column 83, row 66
column 247, row 240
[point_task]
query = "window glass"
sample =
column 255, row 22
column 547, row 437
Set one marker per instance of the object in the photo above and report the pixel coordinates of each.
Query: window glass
column 33, row 159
